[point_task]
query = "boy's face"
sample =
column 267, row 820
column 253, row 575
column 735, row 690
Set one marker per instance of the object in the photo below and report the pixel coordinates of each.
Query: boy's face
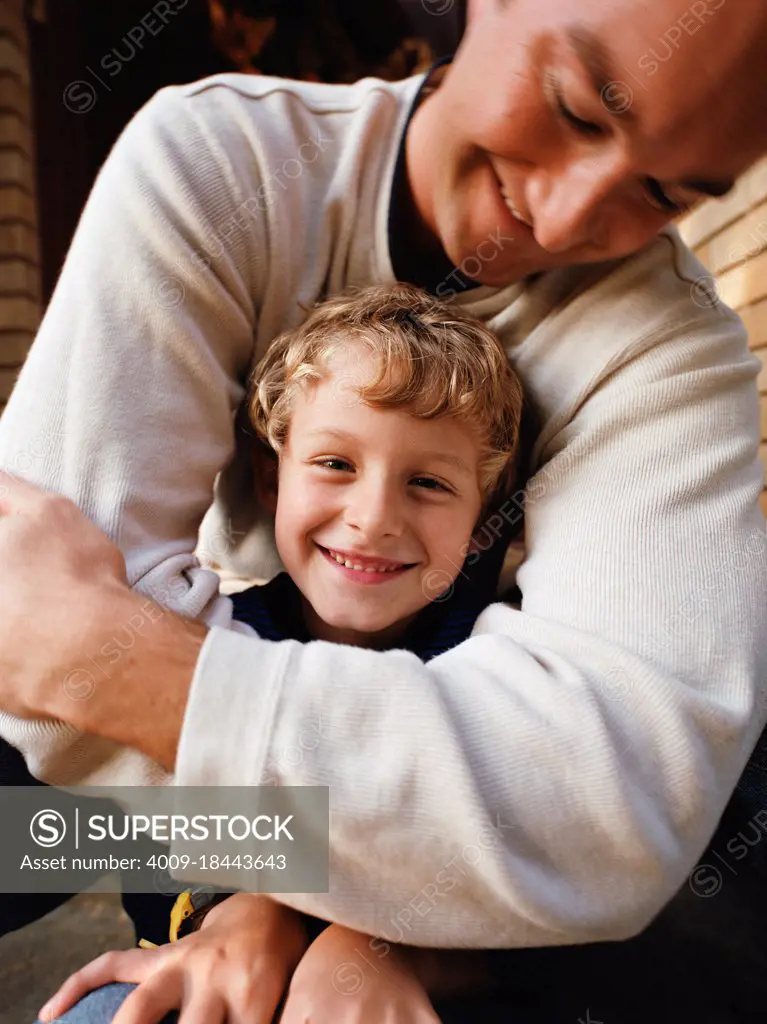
column 379, row 488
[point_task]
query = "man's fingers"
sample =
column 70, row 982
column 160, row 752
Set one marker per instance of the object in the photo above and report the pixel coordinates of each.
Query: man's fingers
column 120, row 965
column 253, row 1000
column 150, row 1002
column 205, row 1008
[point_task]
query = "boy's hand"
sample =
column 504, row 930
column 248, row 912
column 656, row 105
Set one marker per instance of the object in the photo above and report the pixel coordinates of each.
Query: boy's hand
column 235, row 968
column 337, row 981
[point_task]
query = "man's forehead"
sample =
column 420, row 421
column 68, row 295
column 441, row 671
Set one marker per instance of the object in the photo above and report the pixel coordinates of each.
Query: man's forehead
column 685, row 77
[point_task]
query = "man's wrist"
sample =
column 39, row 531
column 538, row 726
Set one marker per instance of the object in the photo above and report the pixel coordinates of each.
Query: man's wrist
column 132, row 680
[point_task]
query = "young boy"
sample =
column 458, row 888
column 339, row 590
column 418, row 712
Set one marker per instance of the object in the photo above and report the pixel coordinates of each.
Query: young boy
column 388, row 427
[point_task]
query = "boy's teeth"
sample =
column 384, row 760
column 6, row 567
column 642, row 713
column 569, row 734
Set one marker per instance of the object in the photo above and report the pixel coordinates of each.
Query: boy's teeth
column 358, row 568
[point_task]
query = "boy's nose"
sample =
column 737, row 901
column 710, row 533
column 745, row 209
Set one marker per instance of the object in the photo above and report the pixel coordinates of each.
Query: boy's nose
column 375, row 511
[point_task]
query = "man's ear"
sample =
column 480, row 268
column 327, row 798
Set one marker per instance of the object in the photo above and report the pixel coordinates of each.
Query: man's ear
column 265, row 475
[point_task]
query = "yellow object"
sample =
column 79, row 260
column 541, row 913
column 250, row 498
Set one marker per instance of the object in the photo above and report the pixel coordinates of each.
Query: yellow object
column 182, row 909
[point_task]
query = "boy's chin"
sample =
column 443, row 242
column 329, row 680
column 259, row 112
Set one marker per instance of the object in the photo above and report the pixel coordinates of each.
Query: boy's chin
column 359, row 624
column 366, row 627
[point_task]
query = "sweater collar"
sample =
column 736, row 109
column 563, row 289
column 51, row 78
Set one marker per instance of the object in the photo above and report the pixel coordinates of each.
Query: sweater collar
column 401, row 211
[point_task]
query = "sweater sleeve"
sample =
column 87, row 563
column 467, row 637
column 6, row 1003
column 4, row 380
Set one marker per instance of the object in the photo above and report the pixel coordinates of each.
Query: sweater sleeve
column 553, row 779
column 144, row 348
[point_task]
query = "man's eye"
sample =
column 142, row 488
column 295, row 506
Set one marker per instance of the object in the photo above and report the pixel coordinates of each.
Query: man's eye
column 660, row 201
column 588, row 128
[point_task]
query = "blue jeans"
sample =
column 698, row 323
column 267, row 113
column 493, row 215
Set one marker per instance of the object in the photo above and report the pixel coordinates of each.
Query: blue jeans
column 100, row 1006
column 701, row 960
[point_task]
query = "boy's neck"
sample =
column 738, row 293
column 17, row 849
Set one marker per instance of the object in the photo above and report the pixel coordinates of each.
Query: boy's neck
column 380, row 640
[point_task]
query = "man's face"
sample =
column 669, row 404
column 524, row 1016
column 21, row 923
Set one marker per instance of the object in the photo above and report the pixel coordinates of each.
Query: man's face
column 378, row 489
column 569, row 133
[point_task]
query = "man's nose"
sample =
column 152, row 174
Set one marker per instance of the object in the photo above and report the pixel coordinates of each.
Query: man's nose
column 575, row 205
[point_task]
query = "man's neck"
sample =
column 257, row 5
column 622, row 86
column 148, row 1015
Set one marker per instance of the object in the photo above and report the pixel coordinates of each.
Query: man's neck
column 416, row 252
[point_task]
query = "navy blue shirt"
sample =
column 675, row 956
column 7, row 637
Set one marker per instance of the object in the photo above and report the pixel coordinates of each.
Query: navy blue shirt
column 274, row 611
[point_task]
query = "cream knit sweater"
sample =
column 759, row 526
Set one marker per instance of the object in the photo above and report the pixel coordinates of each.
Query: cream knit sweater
column 554, row 778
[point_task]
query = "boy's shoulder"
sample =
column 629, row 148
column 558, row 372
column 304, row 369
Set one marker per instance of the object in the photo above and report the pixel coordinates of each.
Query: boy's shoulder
column 273, row 609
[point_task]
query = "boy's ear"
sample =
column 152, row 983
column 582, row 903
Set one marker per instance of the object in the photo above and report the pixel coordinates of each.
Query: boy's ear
column 265, row 475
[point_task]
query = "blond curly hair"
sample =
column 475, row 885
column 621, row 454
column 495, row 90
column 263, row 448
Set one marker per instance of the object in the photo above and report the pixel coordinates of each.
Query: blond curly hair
column 432, row 359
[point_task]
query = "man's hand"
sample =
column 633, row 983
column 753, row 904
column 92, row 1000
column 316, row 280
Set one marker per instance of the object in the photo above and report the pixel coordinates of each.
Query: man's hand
column 65, row 596
column 234, row 969
column 331, row 984
column 59, row 571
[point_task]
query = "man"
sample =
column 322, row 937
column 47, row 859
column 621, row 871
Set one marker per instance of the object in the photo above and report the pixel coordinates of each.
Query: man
column 586, row 744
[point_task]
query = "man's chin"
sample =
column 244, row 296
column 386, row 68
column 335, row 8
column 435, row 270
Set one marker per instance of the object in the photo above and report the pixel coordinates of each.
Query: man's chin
column 491, row 272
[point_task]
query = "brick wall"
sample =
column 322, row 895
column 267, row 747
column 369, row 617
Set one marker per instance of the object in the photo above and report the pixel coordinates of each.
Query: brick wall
column 730, row 237
column 19, row 260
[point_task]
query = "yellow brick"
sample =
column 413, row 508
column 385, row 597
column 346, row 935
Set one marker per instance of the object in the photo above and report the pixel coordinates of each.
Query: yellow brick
column 19, row 314
column 755, row 319
column 703, row 254
column 746, row 239
column 18, row 240
column 12, row 21
column 746, row 284
column 18, row 276
column 762, row 378
column 14, row 346
column 707, row 220
column 14, row 166
column 13, row 59
column 7, row 380
column 14, row 96
column 16, row 204
column 15, row 132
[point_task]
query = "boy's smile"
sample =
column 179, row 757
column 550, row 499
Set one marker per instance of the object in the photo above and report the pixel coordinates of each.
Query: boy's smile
column 369, row 501
column 364, row 569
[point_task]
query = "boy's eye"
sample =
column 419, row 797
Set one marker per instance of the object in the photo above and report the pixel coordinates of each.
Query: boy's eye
column 341, row 464
column 429, row 483
column 424, row 482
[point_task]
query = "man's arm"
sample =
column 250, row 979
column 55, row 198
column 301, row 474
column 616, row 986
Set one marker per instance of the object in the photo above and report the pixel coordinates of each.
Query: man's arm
column 553, row 779
column 126, row 401
column 549, row 781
